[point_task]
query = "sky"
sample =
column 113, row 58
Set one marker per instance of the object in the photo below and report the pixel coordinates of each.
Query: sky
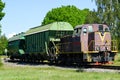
column 20, row 15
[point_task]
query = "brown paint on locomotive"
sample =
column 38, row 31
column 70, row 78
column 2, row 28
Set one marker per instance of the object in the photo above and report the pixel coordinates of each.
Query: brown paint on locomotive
column 91, row 42
column 99, row 40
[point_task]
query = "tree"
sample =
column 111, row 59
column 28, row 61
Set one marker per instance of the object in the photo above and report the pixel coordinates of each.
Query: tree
column 3, row 43
column 3, row 39
column 69, row 14
column 0, row 30
column 109, row 13
column 2, row 5
column 92, row 17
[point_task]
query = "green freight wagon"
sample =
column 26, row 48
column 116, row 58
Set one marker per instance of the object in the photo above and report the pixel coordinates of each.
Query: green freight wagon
column 41, row 41
column 16, row 46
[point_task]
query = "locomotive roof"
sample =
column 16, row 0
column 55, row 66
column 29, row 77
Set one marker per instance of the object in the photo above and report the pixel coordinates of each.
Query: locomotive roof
column 58, row 26
column 94, row 26
column 78, row 26
column 17, row 37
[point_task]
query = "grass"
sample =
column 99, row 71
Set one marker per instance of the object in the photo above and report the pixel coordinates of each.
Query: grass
column 117, row 60
column 51, row 73
column 118, row 57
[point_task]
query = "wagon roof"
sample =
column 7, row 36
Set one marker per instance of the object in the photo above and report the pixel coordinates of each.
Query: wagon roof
column 17, row 37
column 59, row 26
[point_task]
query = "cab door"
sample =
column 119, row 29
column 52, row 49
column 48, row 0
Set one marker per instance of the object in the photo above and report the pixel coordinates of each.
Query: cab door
column 84, row 39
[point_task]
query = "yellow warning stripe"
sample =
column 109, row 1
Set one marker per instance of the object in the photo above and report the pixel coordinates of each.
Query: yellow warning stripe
column 102, row 37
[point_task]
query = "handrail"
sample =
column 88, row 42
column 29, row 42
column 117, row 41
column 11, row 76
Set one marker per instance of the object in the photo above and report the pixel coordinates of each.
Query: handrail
column 113, row 45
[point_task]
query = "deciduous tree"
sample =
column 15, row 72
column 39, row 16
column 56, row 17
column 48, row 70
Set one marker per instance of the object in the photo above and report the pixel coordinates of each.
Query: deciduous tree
column 69, row 14
column 2, row 5
column 3, row 43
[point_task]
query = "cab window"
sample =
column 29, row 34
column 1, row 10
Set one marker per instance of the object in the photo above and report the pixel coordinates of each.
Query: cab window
column 77, row 32
column 90, row 28
column 84, row 31
column 74, row 33
column 100, row 28
column 106, row 29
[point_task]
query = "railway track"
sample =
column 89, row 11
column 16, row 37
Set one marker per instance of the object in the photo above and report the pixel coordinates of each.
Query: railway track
column 104, row 67
column 100, row 68
column 88, row 68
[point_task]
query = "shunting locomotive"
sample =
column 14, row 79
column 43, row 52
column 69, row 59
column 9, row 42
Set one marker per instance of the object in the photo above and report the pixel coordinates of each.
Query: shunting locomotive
column 89, row 43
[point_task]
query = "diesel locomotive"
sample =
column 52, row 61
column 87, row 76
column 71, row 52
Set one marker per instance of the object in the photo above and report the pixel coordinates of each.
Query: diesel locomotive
column 58, row 43
column 89, row 43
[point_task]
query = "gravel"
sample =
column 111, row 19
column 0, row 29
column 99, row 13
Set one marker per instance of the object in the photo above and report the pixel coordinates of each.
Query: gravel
column 100, row 70
column 17, row 64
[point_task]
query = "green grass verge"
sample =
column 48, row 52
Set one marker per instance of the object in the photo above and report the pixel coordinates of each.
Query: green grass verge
column 51, row 73
column 117, row 60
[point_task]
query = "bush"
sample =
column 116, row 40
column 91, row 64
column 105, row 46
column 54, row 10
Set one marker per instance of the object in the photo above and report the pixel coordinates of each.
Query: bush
column 1, row 62
column 118, row 42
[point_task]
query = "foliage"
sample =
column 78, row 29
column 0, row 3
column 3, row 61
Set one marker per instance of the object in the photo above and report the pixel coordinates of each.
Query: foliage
column 92, row 17
column 3, row 39
column 0, row 62
column 109, row 13
column 3, row 43
column 2, row 5
column 118, row 43
column 0, row 30
column 69, row 14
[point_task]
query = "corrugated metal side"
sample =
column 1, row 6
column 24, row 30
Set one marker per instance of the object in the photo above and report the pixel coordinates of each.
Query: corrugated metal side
column 37, row 39
column 13, row 46
column 35, row 43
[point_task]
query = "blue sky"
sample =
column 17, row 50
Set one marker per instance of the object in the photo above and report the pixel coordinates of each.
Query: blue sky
column 24, row 14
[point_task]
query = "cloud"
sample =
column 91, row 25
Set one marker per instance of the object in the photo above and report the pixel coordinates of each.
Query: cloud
column 11, row 35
